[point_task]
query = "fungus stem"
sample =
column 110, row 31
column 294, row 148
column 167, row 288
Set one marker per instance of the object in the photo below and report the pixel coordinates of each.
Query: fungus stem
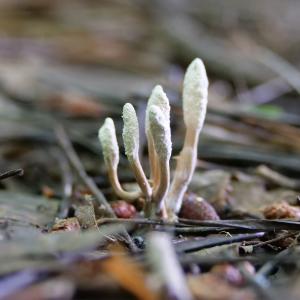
column 131, row 143
column 141, row 177
column 195, row 89
column 110, row 149
column 185, row 168
column 119, row 191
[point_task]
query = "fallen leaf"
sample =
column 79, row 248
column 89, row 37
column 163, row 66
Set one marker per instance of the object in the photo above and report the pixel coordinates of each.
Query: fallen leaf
column 130, row 276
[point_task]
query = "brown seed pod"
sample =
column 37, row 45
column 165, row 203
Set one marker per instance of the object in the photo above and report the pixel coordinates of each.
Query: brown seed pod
column 196, row 208
column 123, row 209
column 281, row 210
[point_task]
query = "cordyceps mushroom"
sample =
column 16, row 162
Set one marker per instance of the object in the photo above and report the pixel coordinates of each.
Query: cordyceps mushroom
column 195, row 89
column 110, row 150
column 160, row 99
column 131, row 144
column 162, row 199
column 161, row 134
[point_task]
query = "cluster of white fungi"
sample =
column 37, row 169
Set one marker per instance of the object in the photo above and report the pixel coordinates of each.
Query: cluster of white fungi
column 163, row 196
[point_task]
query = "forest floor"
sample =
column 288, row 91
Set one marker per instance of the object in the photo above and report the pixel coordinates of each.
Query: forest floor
column 65, row 67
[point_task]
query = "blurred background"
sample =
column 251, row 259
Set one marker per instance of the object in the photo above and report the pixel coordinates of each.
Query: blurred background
column 76, row 62
column 67, row 65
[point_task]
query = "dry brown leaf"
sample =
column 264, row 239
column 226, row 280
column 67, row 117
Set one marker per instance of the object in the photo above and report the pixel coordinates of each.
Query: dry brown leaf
column 130, row 276
column 281, row 210
column 212, row 287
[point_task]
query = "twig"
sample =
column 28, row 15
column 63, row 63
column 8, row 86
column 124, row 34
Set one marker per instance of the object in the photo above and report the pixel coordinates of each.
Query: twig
column 203, row 229
column 11, row 173
column 137, row 221
column 269, row 265
column 279, row 65
column 210, row 260
column 265, row 92
column 184, row 224
column 277, row 178
column 66, row 145
column 208, row 223
column 175, row 227
column 164, row 263
column 196, row 244
column 67, row 185
column 261, row 225
column 261, row 286
column 279, row 238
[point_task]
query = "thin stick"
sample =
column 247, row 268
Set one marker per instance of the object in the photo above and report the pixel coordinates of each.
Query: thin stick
column 279, row 238
column 261, row 286
column 66, row 145
column 67, row 184
column 278, row 64
column 270, row 264
column 177, row 227
column 163, row 261
column 11, row 173
column 137, row 222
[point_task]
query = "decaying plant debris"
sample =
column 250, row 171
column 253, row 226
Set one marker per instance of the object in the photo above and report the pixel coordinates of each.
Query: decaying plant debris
column 163, row 216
